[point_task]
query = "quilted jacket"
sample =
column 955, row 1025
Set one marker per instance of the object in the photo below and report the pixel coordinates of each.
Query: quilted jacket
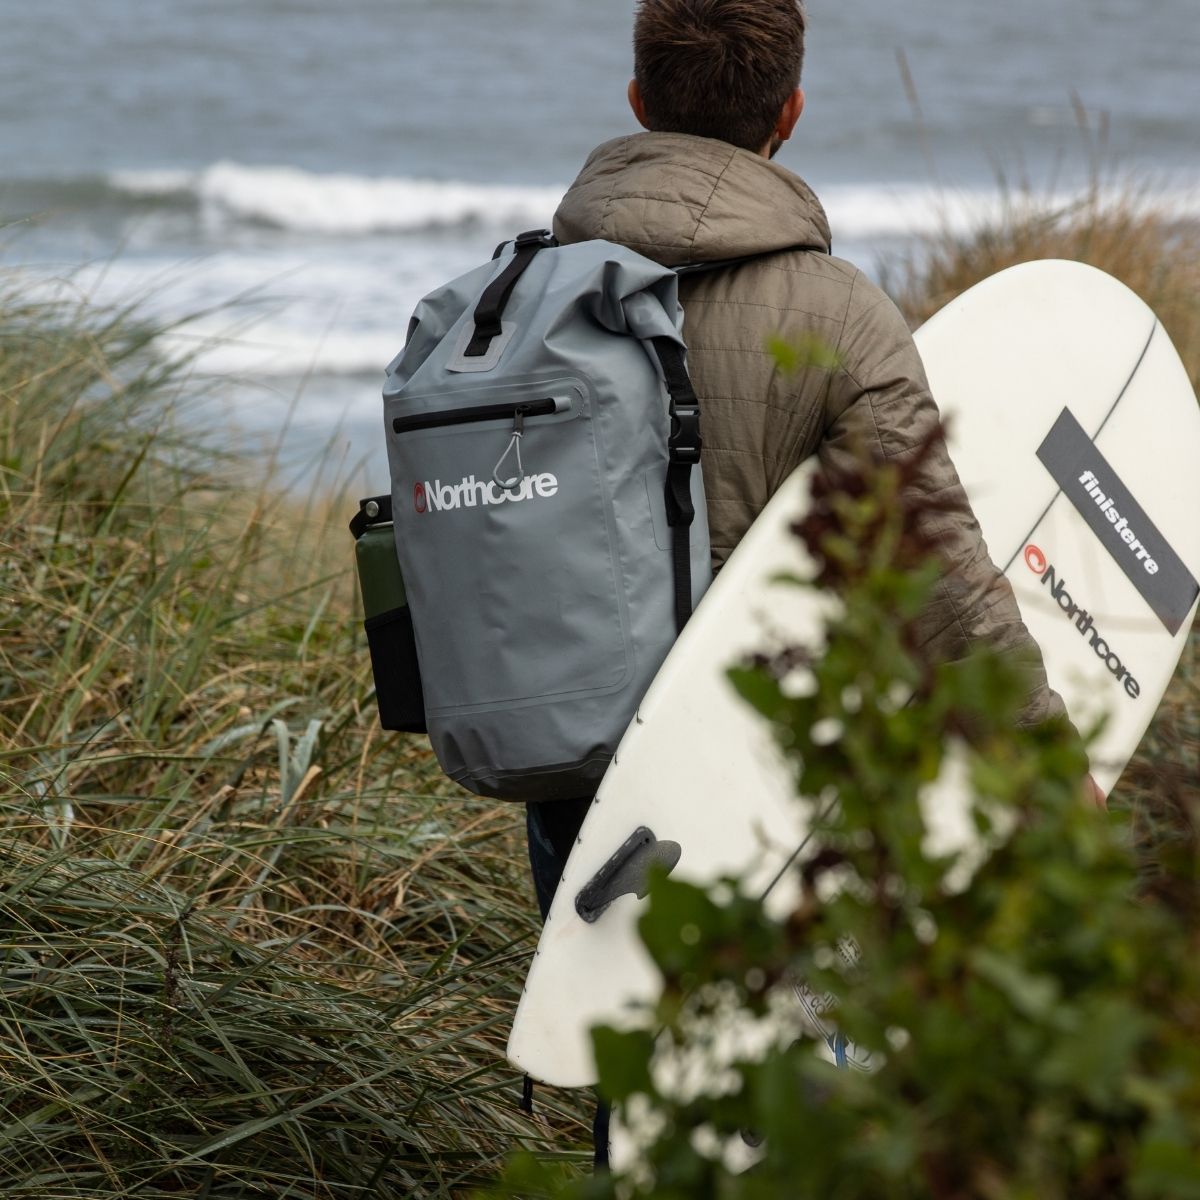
column 681, row 199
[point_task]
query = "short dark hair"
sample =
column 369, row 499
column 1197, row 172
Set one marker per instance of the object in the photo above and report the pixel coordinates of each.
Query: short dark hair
column 718, row 68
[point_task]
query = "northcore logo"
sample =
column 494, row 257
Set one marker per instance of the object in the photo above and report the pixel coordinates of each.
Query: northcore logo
column 1119, row 523
column 472, row 493
column 1037, row 562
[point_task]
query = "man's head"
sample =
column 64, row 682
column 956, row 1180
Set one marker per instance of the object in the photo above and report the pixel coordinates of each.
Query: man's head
column 727, row 69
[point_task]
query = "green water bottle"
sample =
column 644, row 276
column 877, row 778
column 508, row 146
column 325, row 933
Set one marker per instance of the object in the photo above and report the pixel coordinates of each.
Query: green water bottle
column 388, row 619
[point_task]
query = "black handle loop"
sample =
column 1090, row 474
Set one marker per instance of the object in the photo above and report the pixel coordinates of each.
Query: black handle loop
column 490, row 309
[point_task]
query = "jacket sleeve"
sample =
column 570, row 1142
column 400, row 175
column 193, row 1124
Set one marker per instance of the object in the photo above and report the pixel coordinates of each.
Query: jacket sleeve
column 879, row 398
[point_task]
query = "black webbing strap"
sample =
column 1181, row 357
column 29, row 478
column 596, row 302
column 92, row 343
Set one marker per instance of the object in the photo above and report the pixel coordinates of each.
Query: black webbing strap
column 683, row 448
column 490, row 309
column 527, row 1095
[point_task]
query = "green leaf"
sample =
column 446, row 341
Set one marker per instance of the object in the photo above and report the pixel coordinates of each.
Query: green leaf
column 1035, row 996
column 793, row 354
column 623, row 1059
column 1167, row 1170
column 759, row 689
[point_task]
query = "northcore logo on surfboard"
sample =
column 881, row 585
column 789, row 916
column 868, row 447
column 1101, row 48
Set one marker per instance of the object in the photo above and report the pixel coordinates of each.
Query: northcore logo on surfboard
column 1037, row 562
column 473, row 493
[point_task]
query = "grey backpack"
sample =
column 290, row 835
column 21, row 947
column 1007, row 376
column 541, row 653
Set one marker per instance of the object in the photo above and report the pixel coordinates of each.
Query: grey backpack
column 548, row 518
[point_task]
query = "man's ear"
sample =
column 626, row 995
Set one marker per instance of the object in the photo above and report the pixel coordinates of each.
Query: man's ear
column 635, row 102
column 789, row 114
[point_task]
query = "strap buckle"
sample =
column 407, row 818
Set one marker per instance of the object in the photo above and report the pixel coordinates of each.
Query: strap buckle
column 543, row 239
column 535, row 237
column 684, row 443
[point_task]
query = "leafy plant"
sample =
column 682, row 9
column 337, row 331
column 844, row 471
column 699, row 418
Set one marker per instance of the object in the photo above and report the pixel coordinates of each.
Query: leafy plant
column 1025, row 1009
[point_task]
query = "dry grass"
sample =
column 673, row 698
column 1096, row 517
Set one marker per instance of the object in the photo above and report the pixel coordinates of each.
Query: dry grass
column 1151, row 250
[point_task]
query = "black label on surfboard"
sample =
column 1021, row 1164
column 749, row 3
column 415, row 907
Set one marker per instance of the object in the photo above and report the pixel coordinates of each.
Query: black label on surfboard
column 1119, row 521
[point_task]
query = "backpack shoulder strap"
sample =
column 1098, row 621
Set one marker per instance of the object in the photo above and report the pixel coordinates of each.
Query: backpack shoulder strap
column 683, row 446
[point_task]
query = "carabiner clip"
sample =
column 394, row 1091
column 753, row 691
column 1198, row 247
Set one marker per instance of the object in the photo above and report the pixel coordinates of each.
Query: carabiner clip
column 514, row 443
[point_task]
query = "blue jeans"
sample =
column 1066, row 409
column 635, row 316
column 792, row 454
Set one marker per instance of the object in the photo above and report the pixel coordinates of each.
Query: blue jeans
column 552, row 827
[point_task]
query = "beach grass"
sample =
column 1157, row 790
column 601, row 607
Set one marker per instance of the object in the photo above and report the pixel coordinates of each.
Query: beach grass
column 252, row 944
column 1118, row 227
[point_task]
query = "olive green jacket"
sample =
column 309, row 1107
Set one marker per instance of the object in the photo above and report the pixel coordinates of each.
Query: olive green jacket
column 681, row 199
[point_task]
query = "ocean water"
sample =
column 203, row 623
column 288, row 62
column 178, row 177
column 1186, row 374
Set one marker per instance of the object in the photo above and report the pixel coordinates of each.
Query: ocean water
column 299, row 173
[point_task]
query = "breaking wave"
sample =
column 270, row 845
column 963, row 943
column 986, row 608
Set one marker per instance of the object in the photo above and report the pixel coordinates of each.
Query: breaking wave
column 304, row 201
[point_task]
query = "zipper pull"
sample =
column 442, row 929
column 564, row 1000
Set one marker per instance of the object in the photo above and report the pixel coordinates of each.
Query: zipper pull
column 514, row 442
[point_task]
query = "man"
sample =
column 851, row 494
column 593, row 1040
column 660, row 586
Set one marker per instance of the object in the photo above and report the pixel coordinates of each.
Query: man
column 716, row 87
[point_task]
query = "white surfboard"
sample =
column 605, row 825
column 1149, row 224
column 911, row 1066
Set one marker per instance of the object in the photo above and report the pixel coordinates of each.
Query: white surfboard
column 1077, row 435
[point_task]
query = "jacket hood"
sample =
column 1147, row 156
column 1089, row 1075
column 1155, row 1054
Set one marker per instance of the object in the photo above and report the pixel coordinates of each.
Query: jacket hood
column 677, row 198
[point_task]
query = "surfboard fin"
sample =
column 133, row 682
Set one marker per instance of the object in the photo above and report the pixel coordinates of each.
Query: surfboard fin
column 628, row 871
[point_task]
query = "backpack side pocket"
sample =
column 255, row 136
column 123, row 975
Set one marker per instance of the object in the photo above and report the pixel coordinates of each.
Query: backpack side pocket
column 397, row 674
column 388, row 623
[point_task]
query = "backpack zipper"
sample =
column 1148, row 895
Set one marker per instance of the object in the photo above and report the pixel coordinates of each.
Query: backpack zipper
column 479, row 412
